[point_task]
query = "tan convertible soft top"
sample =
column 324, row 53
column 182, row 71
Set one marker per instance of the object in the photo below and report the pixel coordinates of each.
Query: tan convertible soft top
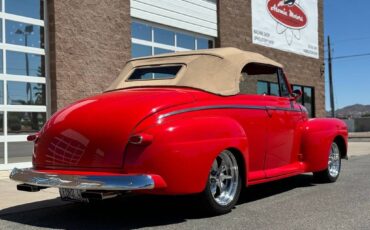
column 214, row 70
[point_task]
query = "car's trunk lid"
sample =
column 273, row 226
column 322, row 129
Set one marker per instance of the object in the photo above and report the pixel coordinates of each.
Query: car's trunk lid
column 93, row 133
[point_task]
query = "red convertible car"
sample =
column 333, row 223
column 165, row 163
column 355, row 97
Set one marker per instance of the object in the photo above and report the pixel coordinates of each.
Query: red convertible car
column 203, row 122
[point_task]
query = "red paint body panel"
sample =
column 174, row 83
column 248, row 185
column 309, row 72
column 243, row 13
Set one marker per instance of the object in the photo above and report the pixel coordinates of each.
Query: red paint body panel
column 94, row 132
column 187, row 129
column 283, row 136
column 184, row 157
column 318, row 134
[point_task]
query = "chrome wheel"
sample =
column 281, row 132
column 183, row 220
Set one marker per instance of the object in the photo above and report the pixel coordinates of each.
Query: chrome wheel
column 224, row 178
column 334, row 160
column 331, row 173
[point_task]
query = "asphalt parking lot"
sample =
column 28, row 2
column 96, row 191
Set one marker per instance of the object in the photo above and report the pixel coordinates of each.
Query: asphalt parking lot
column 293, row 203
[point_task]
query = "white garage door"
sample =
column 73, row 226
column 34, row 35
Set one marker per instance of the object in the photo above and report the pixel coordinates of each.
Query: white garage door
column 199, row 16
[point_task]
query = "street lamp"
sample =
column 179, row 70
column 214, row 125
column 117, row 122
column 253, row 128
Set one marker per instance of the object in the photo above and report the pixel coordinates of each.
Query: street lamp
column 28, row 30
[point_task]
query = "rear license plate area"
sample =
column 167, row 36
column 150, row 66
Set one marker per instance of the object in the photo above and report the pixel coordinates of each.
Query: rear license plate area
column 67, row 194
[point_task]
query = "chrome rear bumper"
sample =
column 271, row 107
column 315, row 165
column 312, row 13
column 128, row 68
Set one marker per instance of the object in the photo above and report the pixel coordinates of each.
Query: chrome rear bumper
column 84, row 182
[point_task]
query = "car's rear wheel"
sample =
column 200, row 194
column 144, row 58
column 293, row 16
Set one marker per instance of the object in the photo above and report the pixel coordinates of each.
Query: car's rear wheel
column 331, row 173
column 223, row 185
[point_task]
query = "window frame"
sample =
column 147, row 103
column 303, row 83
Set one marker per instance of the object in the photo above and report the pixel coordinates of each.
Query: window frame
column 153, row 45
column 281, row 76
column 6, row 137
column 313, row 100
column 278, row 74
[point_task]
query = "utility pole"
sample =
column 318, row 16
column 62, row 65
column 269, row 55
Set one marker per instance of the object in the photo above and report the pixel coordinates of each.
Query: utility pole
column 331, row 81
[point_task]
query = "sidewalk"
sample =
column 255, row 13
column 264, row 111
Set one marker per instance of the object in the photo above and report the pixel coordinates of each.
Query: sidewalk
column 12, row 200
column 359, row 135
column 358, row 148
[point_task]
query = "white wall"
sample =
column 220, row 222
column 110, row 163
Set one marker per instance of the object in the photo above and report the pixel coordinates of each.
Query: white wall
column 199, row 16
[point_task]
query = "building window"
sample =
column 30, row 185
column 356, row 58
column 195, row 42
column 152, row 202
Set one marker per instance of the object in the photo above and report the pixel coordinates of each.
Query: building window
column 151, row 39
column 267, row 88
column 30, row 8
column 14, row 29
column 307, row 99
column 22, row 78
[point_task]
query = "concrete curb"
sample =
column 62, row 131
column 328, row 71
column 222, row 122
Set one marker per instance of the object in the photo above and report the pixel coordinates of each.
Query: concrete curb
column 359, row 135
column 4, row 175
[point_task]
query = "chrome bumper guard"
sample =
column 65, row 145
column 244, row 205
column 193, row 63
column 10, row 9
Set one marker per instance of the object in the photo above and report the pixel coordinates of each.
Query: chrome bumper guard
column 83, row 182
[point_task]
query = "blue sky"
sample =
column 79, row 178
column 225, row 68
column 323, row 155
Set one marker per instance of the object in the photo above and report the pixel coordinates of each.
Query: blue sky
column 348, row 24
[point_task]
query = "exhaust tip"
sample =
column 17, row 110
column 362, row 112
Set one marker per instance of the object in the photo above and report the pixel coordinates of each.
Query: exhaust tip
column 28, row 188
column 96, row 195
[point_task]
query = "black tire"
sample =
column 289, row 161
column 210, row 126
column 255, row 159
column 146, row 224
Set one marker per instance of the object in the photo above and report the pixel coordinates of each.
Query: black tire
column 211, row 204
column 328, row 175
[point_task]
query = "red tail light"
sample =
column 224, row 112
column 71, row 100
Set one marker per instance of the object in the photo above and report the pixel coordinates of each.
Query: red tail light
column 141, row 139
column 33, row 137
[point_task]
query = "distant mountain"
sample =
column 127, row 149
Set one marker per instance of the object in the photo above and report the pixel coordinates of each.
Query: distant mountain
column 353, row 111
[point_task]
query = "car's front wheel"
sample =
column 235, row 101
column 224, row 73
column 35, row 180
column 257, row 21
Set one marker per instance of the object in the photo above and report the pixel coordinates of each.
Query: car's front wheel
column 331, row 173
column 224, row 184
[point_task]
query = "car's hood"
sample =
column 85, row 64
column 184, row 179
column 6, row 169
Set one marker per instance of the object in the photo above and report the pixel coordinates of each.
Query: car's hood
column 94, row 132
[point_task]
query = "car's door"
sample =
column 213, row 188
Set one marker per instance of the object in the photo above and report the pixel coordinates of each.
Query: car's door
column 254, row 119
column 273, row 143
column 283, row 130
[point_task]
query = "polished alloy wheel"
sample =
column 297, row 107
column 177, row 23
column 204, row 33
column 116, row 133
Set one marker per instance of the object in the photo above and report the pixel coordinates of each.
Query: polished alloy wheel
column 331, row 173
column 334, row 160
column 224, row 178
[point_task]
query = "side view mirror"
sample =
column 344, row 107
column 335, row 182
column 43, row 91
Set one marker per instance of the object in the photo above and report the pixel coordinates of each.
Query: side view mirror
column 296, row 94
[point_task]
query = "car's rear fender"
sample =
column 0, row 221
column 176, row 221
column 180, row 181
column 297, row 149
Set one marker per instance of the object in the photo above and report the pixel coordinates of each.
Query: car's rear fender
column 318, row 134
column 183, row 149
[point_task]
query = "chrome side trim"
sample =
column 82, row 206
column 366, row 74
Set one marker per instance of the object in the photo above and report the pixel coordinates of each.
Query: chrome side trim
column 83, row 182
column 283, row 109
column 226, row 107
column 211, row 107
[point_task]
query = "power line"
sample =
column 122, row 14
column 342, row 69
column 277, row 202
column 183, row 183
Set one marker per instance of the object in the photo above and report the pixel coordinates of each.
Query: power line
column 349, row 56
column 353, row 39
column 349, row 40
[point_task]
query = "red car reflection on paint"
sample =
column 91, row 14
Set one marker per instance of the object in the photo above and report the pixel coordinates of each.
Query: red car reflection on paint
column 203, row 122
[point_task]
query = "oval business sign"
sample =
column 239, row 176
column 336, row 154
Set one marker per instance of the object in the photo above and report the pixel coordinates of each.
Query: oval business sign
column 287, row 13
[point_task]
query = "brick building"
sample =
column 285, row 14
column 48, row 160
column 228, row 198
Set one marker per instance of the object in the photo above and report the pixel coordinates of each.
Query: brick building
column 55, row 52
